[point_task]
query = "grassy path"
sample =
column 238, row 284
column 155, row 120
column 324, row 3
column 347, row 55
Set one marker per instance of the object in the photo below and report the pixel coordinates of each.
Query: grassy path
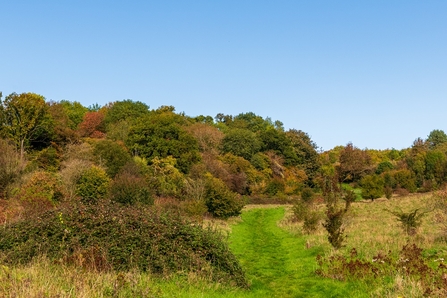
column 277, row 263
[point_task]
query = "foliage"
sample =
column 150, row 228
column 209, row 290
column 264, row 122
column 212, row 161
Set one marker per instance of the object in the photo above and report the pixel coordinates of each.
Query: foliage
column 305, row 150
column 11, row 167
column 311, row 221
column 110, row 236
column 111, row 155
column 75, row 112
column 334, row 213
column 40, row 192
column 436, row 138
column 24, row 118
column 48, row 159
column 166, row 179
column 129, row 188
column 384, row 166
column 92, row 125
column 405, row 179
column 372, row 186
column 208, row 137
column 354, row 163
column 163, row 134
column 410, row 221
column 409, row 263
column 92, row 185
column 274, row 187
column 125, row 110
column 64, row 129
column 241, row 142
column 220, row 201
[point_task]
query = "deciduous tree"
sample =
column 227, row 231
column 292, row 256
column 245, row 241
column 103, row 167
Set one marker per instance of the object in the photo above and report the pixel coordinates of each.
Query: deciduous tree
column 24, row 118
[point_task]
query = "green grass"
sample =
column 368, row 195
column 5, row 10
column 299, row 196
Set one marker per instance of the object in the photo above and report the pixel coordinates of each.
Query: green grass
column 278, row 263
column 357, row 191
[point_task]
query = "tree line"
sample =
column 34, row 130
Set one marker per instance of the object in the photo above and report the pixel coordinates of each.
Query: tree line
column 128, row 152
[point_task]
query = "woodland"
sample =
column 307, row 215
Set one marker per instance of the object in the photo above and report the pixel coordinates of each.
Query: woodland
column 149, row 199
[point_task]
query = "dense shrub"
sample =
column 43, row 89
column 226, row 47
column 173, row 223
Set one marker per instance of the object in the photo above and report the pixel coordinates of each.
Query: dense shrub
column 128, row 188
column 92, row 185
column 405, row 179
column 220, row 201
column 109, row 236
column 11, row 166
column 48, row 159
column 372, row 186
column 111, row 155
column 274, row 187
column 40, row 192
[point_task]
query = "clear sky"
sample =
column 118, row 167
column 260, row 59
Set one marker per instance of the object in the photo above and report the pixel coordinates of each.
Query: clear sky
column 373, row 73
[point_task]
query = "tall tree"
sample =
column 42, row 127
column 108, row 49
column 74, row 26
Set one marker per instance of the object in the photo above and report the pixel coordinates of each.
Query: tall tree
column 435, row 138
column 23, row 118
column 354, row 163
column 161, row 134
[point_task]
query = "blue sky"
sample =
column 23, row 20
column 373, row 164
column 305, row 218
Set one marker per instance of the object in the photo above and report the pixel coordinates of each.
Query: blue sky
column 373, row 73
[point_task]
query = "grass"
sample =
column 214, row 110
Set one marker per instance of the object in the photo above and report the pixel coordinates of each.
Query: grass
column 278, row 263
column 278, row 258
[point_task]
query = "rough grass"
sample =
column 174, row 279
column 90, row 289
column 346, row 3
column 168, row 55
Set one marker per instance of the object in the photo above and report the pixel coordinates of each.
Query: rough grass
column 278, row 258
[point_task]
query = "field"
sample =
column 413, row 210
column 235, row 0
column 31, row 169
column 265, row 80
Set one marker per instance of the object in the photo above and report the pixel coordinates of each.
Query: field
column 279, row 259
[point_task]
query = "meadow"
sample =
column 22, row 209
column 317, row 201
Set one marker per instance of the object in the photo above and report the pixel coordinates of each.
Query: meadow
column 279, row 259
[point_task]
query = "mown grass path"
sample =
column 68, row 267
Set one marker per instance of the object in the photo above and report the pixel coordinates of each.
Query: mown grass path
column 277, row 263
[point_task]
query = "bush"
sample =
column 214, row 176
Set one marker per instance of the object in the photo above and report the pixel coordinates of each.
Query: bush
column 41, row 192
column 311, row 222
column 92, row 185
column 127, row 188
column 300, row 210
column 372, row 186
column 109, row 236
column 274, row 187
column 112, row 155
column 410, row 221
column 220, row 201
column 11, row 166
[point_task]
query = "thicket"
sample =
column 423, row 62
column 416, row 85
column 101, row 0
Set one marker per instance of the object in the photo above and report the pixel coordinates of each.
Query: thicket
column 108, row 236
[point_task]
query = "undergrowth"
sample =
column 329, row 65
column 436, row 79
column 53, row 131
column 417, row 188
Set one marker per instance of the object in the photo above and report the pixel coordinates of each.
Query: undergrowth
column 108, row 236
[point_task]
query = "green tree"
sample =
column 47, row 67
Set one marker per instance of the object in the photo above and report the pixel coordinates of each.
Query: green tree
column 435, row 138
column 111, row 155
column 306, row 151
column 372, row 186
column 126, row 110
column 24, row 118
column 92, row 185
column 241, row 142
column 162, row 134
column 75, row 112
column 435, row 166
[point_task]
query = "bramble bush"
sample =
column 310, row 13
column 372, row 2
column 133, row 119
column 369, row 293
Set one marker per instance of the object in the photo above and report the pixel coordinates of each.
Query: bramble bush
column 110, row 236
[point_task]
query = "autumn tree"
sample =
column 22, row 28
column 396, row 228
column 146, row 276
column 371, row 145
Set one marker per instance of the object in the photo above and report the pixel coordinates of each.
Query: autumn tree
column 75, row 112
column 92, row 125
column 354, row 163
column 63, row 126
column 24, row 119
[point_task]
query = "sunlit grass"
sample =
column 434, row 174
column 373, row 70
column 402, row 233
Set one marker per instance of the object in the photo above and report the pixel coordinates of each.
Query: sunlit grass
column 278, row 257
